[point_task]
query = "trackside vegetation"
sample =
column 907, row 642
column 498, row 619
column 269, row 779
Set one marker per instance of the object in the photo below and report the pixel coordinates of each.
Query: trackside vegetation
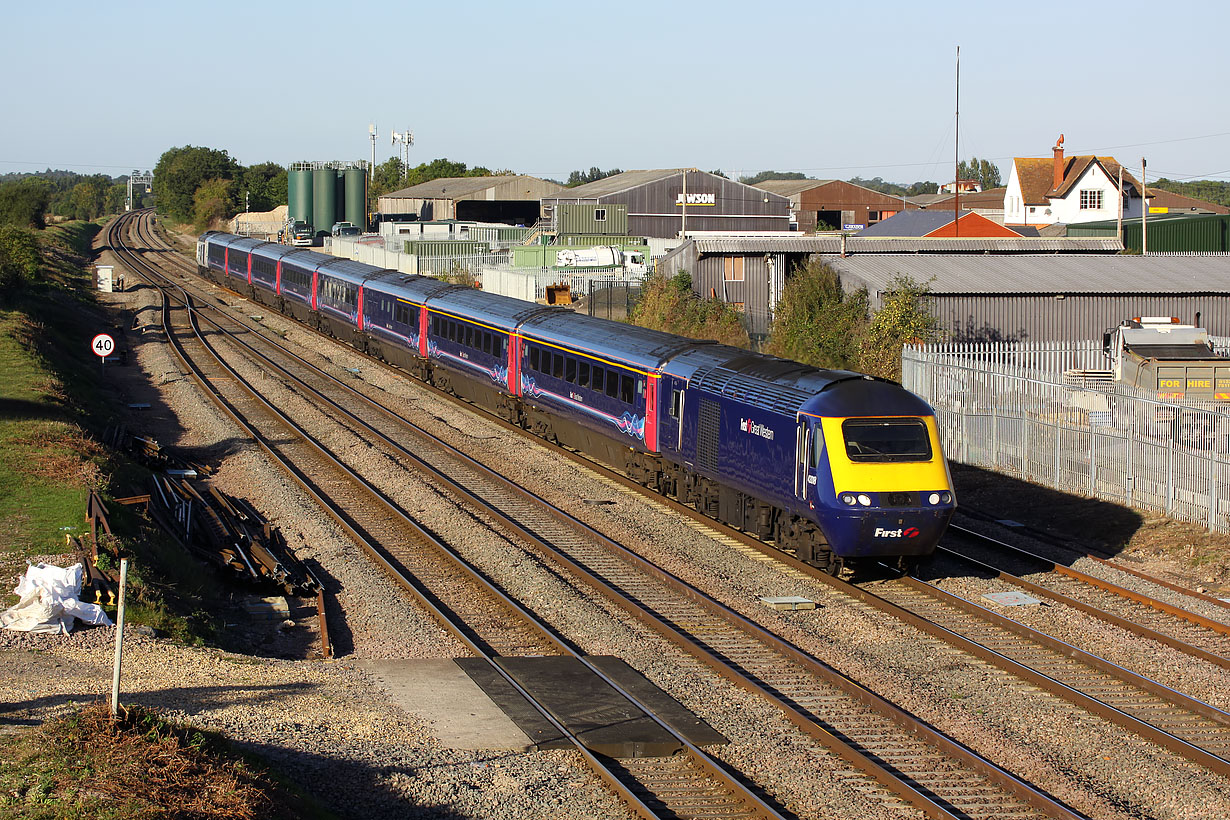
column 669, row 304
column 816, row 321
column 88, row 765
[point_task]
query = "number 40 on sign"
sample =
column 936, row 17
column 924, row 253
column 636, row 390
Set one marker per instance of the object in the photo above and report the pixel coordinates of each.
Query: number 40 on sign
column 102, row 345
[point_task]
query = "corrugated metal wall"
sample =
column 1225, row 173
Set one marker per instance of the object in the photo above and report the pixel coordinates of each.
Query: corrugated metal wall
column 1034, row 318
column 653, row 208
column 1167, row 234
column 578, row 218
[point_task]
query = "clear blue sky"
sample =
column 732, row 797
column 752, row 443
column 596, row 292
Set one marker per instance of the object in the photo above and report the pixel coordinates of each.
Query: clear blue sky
column 830, row 89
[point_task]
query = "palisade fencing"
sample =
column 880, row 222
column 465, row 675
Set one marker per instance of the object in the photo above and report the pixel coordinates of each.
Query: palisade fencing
column 1049, row 413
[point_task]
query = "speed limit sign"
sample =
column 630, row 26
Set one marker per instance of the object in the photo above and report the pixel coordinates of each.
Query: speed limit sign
column 102, row 345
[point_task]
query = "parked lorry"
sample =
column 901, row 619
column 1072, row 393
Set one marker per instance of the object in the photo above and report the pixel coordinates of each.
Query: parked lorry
column 1161, row 354
column 601, row 256
column 302, row 235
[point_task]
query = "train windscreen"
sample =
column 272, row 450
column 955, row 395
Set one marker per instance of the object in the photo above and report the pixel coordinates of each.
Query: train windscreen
column 886, row 440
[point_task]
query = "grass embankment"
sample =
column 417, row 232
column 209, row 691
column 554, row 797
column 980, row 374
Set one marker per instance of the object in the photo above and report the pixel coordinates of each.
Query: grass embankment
column 88, row 766
column 48, row 463
column 55, row 404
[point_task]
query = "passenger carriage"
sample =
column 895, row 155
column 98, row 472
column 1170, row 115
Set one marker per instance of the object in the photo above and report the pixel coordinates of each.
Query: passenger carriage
column 337, row 298
column 297, row 283
column 592, row 384
column 394, row 318
column 472, row 346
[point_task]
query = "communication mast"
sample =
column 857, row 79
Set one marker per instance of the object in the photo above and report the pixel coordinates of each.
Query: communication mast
column 406, row 139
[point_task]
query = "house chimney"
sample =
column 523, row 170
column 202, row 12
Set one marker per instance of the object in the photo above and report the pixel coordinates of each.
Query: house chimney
column 1058, row 149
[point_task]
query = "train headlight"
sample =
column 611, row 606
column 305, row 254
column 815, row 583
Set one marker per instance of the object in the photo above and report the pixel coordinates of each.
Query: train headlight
column 945, row 498
column 847, row 498
column 934, row 498
column 864, row 499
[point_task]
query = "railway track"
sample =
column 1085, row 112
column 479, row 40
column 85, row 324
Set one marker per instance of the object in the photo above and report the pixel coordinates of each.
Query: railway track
column 917, row 764
column 1179, row 628
column 468, row 606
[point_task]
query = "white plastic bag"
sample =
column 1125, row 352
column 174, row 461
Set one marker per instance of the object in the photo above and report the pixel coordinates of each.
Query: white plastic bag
column 49, row 601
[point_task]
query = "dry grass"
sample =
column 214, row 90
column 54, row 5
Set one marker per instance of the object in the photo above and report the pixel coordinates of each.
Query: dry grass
column 139, row 766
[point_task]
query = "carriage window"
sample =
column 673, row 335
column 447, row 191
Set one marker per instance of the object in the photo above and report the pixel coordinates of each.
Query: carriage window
column 599, row 378
column 557, row 366
column 470, row 337
column 533, row 358
column 676, row 402
column 401, row 313
column 886, row 440
column 486, row 342
column 625, row 388
column 499, row 347
column 583, row 377
column 612, row 384
column 570, row 370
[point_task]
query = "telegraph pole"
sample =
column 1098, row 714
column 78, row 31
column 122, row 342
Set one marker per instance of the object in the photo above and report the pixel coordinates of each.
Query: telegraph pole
column 1144, row 210
column 956, row 157
column 371, row 171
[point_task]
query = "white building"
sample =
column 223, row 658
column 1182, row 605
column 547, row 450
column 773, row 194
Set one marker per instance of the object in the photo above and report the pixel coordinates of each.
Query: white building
column 1069, row 190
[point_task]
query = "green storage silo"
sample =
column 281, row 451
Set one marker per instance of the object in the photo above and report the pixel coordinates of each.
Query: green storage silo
column 324, row 199
column 299, row 199
column 356, row 197
column 339, row 197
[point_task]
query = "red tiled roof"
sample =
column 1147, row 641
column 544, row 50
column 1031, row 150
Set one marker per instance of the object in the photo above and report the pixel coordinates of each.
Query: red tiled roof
column 1037, row 175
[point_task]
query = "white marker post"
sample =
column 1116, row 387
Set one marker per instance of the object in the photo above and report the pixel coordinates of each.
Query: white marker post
column 119, row 642
column 103, row 346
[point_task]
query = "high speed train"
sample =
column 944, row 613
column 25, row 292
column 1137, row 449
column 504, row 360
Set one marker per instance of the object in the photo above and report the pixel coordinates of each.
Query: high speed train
column 829, row 465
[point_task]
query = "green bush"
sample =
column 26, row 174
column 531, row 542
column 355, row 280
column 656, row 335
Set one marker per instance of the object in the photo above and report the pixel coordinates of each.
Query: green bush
column 816, row 322
column 670, row 305
column 20, row 258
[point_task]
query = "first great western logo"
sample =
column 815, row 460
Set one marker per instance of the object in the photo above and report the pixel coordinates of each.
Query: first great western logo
column 749, row 426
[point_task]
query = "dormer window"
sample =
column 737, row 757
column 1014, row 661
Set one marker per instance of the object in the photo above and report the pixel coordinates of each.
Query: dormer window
column 1091, row 200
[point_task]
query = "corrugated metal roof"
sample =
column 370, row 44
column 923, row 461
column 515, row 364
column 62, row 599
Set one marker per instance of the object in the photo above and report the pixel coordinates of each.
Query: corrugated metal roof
column 450, row 187
column 792, row 243
column 615, row 184
column 910, row 224
column 790, row 187
column 1049, row 273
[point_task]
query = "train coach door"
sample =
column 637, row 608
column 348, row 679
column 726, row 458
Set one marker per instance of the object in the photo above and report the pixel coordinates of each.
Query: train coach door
column 805, row 459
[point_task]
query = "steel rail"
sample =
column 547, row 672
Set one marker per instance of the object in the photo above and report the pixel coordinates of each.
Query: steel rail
column 1089, row 609
column 713, row 770
column 1049, row 805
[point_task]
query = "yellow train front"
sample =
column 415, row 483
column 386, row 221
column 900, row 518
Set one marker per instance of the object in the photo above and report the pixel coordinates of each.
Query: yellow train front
column 832, row 466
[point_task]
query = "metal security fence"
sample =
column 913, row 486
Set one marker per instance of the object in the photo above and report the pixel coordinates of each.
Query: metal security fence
column 1050, row 414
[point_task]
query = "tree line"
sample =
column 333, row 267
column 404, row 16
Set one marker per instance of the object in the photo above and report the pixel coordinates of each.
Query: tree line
column 816, row 321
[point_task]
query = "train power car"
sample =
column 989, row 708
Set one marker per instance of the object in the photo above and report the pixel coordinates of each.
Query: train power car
column 831, row 466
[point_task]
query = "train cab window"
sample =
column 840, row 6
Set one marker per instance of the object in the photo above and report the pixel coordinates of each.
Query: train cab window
column 533, row 357
column 570, row 370
column 557, row 366
column 817, row 447
column 676, row 402
column 625, row 388
column 583, row 375
column 886, row 440
column 599, row 378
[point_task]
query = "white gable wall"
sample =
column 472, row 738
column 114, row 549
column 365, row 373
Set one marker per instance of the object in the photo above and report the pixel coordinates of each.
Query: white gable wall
column 1068, row 210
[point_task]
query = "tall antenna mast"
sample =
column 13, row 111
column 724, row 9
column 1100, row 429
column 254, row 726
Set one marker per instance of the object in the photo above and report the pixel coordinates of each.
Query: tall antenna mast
column 956, row 157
